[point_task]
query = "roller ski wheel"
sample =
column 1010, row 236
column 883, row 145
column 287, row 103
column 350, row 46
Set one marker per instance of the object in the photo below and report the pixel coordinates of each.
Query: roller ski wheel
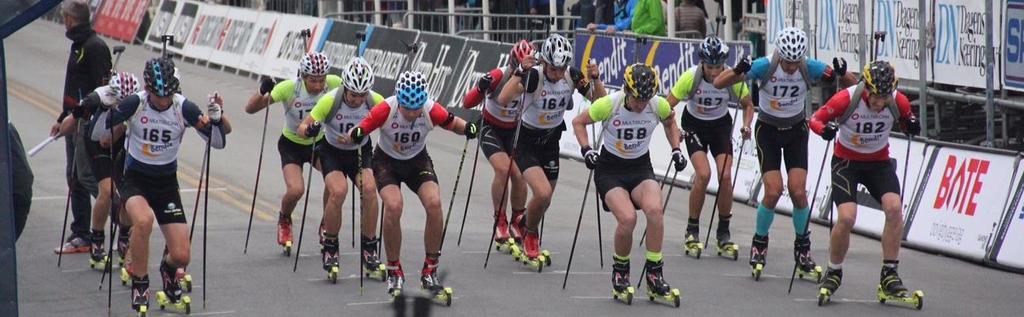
column 98, row 264
column 825, row 297
column 284, row 234
column 693, row 247
column 287, row 249
column 505, row 245
column 829, row 284
column 186, row 283
column 537, row 263
column 125, row 278
column 729, row 250
column 375, row 273
column 140, row 295
column 142, row 310
column 915, row 299
column 672, row 297
column 183, row 305
column 625, row 296
column 443, row 296
column 756, row 271
column 395, row 281
column 758, row 256
column 657, row 288
column 438, row 293
column 621, row 287
column 815, row 274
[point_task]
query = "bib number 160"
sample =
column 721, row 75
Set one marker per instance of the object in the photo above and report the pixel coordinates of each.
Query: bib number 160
column 407, row 137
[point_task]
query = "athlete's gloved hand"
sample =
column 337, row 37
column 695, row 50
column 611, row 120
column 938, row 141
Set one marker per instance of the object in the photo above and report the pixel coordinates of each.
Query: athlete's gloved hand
column 745, row 132
column 357, row 134
column 742, row 65
column 214, row 110
column 589, row 156
column 313, row 129
column 484, row 84
column 530, row 79
column 839, row 65
column 911, row 126
column 266, row 85
column 678, row 159
column 830, row 130
column 471, row 130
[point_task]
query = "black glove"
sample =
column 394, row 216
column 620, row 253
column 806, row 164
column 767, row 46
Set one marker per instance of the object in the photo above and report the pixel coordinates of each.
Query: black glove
column 266, row 85
column 357, row 134
column 678, row 159
column 530, row 79
column 839, row 65
column 313, row 129
column 830, row 130
column 911, row 126
column 589, row 156
column 484, row 84
column 471, row 130
column 742, row 65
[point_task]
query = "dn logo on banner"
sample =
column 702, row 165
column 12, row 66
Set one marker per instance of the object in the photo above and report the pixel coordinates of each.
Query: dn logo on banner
column 961, row 183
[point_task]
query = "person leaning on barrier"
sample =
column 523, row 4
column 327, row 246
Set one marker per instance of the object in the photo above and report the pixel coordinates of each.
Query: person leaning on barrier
column 622, row 15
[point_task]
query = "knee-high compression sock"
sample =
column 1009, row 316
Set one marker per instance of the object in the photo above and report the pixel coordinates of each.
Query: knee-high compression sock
column 800, row 216
column 765, row 217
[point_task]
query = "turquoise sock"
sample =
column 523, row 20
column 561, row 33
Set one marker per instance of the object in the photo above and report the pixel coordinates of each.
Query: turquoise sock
column 800, row 216
column 764, row 220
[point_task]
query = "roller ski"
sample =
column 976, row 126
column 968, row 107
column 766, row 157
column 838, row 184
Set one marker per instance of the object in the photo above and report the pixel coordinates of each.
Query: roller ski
column 372, row 268
column 727, row 248
column 891, row 289
column 532, row 255
column 140, row 295
column 758, row 256
column 657, row 288
column 622, row 289
column 693, row 247
column 97, row 256
column 438, row 293
column 329, row 258
column 829, row 284
column 172, row 295
column 503, row 242
column 284, row 234
column 186, row 280
column 395, row 280
column 805, row 266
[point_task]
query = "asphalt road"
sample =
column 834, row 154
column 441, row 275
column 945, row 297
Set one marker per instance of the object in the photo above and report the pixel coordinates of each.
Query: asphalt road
column 261, row 282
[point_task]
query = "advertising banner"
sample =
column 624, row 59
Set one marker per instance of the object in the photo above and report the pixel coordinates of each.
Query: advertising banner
column 839, row 23
column 1013, row 62
column 287, row 46
column 899, row 20
column 207, row 34
column 387, row 50
column 1011, row 250
column 342, row 44
column 962, row 202
column 120, row 19
column 166, row 14
column 238, row 32
column 186, row 18
column 478, row 58
column 437, row 58
column 748, row 176
column 787, row 13
column 960, row 42
column 259, row 47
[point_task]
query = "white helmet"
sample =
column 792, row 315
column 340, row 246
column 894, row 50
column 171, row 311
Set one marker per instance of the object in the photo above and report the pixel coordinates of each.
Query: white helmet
column 314, row 64
column 123, row 85
column 557, row 51
column 791, row 44
column 358, row 76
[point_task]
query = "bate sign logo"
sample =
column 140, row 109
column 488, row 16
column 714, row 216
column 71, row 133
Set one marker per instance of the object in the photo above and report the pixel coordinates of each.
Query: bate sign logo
column 960, row 185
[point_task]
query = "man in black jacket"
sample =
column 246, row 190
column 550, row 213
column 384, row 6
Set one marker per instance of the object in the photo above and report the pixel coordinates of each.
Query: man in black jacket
column 88, row 67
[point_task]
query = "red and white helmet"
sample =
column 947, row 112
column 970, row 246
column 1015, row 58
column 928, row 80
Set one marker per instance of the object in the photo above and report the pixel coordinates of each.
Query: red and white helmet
column 314, row 64
column 123, row 85
column 520, row 51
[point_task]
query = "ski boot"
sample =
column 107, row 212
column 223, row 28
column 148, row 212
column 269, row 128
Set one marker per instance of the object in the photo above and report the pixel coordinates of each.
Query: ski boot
column 395, row 279
column 891, row 288
column 329, row 257
column 517, row 231
column 693, row 247
column 140, row 295
column 657, row 288
column 758, row 256
column 622, row 290
column 502, row 239
column 805, row 267
column 829, row 284
column 97, row 256
column 429, row 283
column 372, row 267
column 532, row 254
column 172, row 295
column 284, row 233
column 727, row 248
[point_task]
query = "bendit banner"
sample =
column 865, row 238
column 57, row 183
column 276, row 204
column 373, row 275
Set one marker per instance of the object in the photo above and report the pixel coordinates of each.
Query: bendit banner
column 287, row 46
column 120, row 19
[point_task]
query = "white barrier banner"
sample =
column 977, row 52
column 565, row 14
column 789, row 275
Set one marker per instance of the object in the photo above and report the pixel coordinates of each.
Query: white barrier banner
column 962, row 202
column 287, row 47
column 839, row 30
column 1011, row 252
column 815, row 151
column 960, row 42
column 748, row 176
column 870, row 217
column 208, row 32
column 899, row 20
column 239, row 31
column 781, row 15
column 174, row 17
column 259, row 47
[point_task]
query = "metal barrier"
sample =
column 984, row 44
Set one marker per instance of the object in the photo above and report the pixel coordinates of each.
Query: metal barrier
column 495, row 27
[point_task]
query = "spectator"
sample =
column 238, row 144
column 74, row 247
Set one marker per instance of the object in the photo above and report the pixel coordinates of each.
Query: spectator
column 584, row 9
column 88, row 67
column 21, row 181
column 649, row 18
column 604, row 12
column 623, row 13
column 691, row 17
column 543, row 7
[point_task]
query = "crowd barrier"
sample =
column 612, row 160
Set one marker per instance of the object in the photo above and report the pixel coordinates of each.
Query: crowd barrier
column 960, row 201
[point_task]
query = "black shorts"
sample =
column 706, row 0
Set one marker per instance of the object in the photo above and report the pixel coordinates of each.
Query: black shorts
column 496, row 140
column 613, row 171
column 344, row 161
column 160, row 191
column 539, row 148
column 100, row 159
column 775, row 144
column 702, row 135
column 413, row 172
column 879, row 177
column 294, row 153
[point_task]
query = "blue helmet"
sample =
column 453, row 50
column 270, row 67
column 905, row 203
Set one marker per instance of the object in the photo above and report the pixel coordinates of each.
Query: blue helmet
column 412, row 90
column 160, row 78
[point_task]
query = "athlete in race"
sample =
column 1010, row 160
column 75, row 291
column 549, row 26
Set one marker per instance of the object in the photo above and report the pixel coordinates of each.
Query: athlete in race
column 340, row 110
column 862, row 117
column 297, row 96
column 623, row 173
column 708, row 126
column 497, row 136
column 156, row 120
column 781, row 134
column 401, row 157
column 546, row 100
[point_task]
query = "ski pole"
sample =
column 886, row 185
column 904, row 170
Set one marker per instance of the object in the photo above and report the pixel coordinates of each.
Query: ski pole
column 472, row 179
column 305, row 207
column 508, row 171
column 721, row 174
column 199, row 190
column 455, row 189
column 575, row 237
column 667, row 197
column 814, row 198
column 255, row 189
